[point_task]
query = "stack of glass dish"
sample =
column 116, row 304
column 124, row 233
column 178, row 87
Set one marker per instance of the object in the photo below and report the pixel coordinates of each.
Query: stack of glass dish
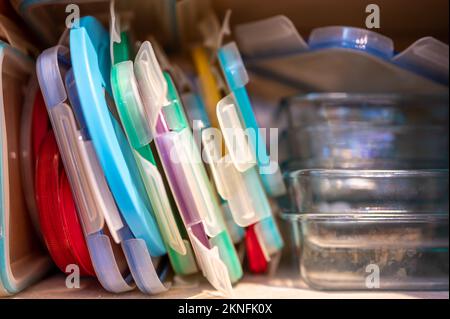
column 368, row 190
column 369, row 131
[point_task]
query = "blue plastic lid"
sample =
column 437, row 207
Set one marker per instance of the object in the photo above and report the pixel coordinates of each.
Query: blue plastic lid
column 91, row 63
column 351, row 38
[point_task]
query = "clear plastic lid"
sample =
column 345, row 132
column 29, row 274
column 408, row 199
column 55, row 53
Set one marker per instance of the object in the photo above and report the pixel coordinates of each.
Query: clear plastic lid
column 152, row 84
column 354, row 38
column 427, row 56
column 235, row 135
column 244, row 193
column 129, row 100
column 243, row 190
column 213, row 268
column 269, row 237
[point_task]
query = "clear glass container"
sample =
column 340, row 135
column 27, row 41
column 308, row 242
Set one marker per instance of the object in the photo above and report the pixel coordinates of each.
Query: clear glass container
column 369, row 131
column 370, row 229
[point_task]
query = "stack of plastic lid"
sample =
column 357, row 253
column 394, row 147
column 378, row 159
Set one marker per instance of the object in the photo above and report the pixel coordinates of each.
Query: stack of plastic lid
column 114, row 178
column 140, row 185
column 245, row 176
column 106, row 112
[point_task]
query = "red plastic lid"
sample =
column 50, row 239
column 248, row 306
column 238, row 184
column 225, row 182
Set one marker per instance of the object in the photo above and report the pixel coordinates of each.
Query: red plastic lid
column 58, row 217
column 257, row 262
column 40, row 123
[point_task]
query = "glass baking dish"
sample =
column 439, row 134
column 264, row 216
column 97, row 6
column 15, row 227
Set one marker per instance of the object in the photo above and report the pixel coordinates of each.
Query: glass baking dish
column 370, row 229
column 338, row 130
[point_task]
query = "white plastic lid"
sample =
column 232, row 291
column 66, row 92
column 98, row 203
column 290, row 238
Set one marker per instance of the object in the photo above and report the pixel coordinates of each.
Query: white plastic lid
column 114, row 29
column 152, row 84
column 212, row 266
column 235, row 134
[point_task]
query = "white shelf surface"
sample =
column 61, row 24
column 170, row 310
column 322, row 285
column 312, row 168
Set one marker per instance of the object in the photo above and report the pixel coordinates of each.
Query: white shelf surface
column 250, row 287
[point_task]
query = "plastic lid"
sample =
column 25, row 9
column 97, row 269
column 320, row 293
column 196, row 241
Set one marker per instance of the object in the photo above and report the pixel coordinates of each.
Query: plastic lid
column 141, row 265
column 208, row 83
column 94, row 203
column 129, row 102
column 58, row 216
column 114, row 31
column 269, row 237
column 427, row 56
column 213, row 268
column 212, row 31
column 20, row 69
column 269, row 37
column 93, row 198
column 162, row 207
column 195, row 110
column 90, row 59
column 129, row 106
column 236, row 77
column 34, row 127
column 353, row 38
column 245, row 194
column 181, row 160
column 188, row 156
column 174, row 112
column 235, row 134
column 152, row 84
column 257, row 261
column 233, row 66
column 243, row 190
column 209, row 260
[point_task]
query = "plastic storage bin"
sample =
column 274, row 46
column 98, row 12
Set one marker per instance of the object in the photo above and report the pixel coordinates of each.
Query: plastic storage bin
column 369, row 131
column 367, row 229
